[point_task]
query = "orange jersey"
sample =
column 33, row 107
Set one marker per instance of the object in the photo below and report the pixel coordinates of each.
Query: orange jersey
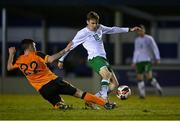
column 35, row 69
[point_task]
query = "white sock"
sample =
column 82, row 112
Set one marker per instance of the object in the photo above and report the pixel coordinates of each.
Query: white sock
column 98, row 94
column 141, row 87
column 104, row 89
column 155, row 84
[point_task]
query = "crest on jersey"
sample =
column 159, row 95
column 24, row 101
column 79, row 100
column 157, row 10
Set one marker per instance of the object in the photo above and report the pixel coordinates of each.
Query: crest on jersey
column 96, row 37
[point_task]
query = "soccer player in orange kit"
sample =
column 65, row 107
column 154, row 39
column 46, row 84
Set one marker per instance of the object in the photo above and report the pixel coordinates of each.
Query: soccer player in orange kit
column 33, row 64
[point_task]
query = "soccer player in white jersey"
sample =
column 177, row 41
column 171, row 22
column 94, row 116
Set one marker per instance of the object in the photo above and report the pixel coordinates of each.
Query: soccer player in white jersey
column 145, row 53
column 91, row 38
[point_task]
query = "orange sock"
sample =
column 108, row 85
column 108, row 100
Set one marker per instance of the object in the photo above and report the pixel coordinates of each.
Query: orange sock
column 92, row 98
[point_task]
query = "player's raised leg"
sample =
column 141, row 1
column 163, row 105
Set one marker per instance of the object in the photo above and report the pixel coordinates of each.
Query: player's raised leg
column 113, row 82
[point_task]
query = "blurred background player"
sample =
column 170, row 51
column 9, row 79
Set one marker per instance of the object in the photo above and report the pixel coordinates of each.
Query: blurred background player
column 91, row 39
column 145, row 52
column 33, row 64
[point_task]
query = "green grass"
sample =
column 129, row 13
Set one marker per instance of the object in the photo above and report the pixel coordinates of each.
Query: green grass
column 34, row 107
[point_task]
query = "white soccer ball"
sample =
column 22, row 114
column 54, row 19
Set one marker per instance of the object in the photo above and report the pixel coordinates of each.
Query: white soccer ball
column 123, row 92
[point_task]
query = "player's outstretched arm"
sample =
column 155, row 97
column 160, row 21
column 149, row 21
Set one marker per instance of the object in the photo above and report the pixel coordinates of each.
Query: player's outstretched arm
column 157, row 62
column 115, row 29
column 59, row 54
column 77, row 40
column 12, row 52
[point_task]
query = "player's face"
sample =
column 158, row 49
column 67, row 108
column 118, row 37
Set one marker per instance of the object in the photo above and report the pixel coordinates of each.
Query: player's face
column 141, row 32
column 92, row 24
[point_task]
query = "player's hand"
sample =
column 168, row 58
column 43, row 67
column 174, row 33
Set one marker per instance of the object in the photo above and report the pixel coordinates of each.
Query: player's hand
column 12, row 50
column 68, row 47
column 157, row 62
column 135, row 29
column 60, row 65
column 133, row 65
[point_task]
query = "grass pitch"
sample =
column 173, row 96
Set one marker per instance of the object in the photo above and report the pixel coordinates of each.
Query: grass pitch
column 34, row 107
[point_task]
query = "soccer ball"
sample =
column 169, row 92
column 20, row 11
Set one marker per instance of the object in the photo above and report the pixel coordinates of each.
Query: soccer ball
column 123, row 92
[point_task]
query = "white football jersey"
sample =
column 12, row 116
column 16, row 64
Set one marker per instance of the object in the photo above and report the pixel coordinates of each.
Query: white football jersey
column 145, row 49
column 92, row 40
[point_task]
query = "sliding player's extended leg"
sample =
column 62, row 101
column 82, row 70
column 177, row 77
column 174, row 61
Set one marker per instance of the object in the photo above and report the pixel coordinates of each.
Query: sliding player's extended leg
column 88, row 97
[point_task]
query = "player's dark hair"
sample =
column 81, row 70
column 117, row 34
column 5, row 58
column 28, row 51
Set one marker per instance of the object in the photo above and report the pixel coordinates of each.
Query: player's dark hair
column 25, row 43
column 92, row 15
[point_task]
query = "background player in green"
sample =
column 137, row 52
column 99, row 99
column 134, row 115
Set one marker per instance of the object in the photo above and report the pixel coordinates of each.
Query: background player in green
column 91, row 39
column 145, row 52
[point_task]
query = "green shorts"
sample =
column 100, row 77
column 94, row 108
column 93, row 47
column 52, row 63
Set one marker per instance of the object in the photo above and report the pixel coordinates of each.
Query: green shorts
column 143, row 67
column 98, row 62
